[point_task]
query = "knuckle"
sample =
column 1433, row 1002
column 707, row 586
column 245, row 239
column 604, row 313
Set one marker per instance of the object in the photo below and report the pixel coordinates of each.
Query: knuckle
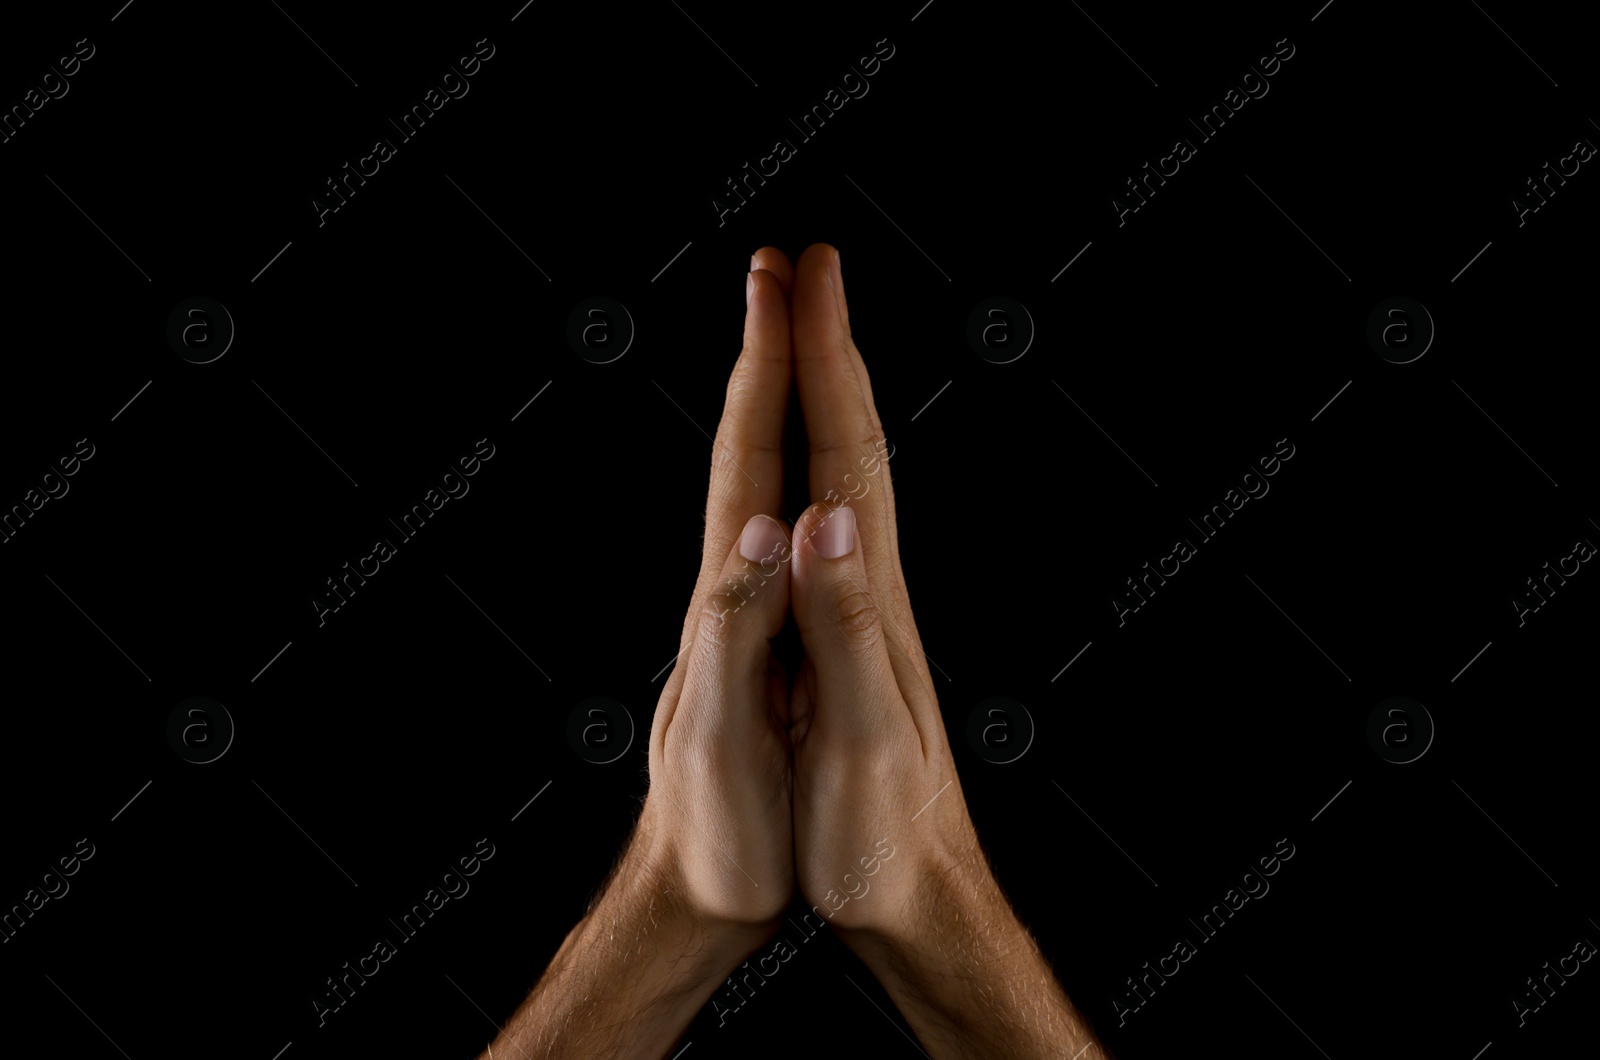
column 857, row 617
column 717, row 616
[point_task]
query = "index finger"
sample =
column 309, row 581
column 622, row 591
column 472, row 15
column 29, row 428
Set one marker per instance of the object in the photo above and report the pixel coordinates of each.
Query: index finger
column 849, row 462
column 746, row 462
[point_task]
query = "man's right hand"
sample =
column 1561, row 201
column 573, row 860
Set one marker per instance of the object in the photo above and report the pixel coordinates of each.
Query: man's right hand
column 884, row 846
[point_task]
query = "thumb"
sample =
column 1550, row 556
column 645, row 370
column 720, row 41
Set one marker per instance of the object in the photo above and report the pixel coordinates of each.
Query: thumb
column 744, row 610
column 839, row 620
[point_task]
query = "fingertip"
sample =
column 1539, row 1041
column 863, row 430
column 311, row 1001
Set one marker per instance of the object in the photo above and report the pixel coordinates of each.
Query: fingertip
column 764, row 540
column 829, row 533
column 816, row 304
column 773, row 260
column 767, row 310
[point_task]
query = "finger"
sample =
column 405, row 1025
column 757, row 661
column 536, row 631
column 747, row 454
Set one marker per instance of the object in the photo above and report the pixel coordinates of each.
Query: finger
column 843, row 303
column 848, row 450
column 746, row 463
column 838, row 411
column 727, row 681
column 776, row 262
column 863, row 377
column 841, row 626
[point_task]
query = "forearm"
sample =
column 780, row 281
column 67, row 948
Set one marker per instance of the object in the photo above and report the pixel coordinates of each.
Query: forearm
column 969, row 978
column 633, row 972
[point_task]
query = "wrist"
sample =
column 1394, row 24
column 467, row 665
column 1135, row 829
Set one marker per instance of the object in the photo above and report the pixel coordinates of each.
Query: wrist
column 966, row 973
column 653, row 871
column 956, row 922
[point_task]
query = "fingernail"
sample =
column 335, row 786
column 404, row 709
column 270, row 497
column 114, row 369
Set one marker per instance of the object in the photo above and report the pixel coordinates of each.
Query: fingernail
column 749, row 287
column 762, row 539
column 752, row 263
column 836, row 536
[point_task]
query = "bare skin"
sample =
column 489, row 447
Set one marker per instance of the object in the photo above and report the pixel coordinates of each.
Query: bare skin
column 841, row 784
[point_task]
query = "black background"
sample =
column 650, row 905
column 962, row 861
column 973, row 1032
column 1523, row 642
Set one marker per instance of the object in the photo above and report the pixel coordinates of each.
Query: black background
column 407, row 327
